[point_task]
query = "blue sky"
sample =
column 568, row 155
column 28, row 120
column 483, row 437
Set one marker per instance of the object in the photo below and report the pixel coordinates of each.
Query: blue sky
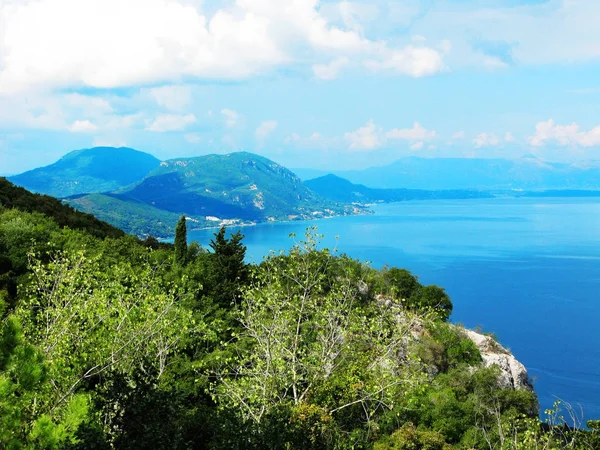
column 309, row 84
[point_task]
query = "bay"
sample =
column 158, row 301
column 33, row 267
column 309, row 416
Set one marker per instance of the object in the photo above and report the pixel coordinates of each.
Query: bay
column 527, row 270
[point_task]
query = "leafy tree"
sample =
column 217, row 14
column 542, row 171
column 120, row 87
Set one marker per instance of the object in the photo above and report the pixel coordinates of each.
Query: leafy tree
column 310, row 346
column 181, row 242
column 91, row 320
column 402, row 283
column 28, row 417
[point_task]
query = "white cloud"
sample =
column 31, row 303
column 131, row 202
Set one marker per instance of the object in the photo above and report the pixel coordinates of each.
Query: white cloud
column 486, row 140
column 508, row 137
column 367, row 137
column 58, row 43
column 416, row 133
column 82, row 126
column 417, row 145
column 231, row 117
column 458, row 135
column 566, row 135
column 330, row 71
column 314, row 137
column 410, row 60
column 265, row 129
column 534, row 33
column 170, row 122
column 174, row 98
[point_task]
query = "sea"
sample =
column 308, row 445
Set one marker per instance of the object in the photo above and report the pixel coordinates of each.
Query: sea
column 525, row 269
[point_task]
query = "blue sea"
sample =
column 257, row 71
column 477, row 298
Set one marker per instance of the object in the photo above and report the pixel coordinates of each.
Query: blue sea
column 525, row 269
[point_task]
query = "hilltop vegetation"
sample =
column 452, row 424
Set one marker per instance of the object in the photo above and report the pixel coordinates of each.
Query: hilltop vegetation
column 111, row 342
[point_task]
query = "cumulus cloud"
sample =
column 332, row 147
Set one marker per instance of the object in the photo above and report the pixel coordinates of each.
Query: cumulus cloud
column 370, row 136
column 486, row 140
column 82, row 126
column 458, row 135
column 508, row 137
column 56, row 43
column 231, row 117
column 367, row 137
column 416, row 133
column 171, row 122
column 566, row 135
column 264, row 130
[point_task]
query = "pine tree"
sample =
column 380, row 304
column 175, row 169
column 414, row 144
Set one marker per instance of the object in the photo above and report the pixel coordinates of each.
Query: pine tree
column 181, row 242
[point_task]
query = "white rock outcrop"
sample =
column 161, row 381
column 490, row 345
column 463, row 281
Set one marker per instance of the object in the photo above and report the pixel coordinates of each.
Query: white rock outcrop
column 513, row 374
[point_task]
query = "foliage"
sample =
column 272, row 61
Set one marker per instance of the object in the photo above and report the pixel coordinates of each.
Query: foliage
column 181, row 242
column 106, row 342
column 27, row 419
column 12, row 196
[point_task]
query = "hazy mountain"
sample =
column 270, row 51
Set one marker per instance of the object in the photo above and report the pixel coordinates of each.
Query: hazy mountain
column 527, row 172
column 339, row 189
column 97, row 169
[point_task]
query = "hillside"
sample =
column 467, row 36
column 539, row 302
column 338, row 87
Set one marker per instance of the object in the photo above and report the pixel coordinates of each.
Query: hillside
column 12, row 196
column 527, row 172
column 339, row 189
column 98, row 169
column 238, row 185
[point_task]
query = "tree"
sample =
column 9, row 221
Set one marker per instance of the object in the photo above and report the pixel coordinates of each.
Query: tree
column 28, row 417
column 229, row 269
column 433, row 297
column 312, row 350
column 181, row 242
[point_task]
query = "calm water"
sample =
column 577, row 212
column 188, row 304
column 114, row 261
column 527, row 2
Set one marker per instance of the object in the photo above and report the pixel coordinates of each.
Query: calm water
column 526, row 269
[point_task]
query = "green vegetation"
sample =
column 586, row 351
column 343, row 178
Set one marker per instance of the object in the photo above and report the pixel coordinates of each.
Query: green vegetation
column 181, row 247
column 108, row 342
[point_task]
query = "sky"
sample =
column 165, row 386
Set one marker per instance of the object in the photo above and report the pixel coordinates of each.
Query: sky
column 307, row 83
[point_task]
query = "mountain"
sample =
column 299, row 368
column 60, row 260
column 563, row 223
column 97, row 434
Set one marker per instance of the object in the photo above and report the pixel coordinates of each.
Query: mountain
column 238, row 185
column 527, row 172
column 98, row 169
column 342, row 190
column 210, row 190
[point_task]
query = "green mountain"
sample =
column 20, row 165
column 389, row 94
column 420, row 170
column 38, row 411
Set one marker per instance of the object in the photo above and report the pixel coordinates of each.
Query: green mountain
column 211, row 190
column 99, row 169
column 341, row 190
column 238, row 185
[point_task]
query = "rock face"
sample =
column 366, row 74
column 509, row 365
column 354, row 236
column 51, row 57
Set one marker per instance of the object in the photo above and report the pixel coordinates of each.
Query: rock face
column 513, row 374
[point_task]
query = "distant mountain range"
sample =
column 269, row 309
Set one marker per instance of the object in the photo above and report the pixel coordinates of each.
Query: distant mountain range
column 341, row 190
column 528, row 173
column 142, row 195
column 99, row 169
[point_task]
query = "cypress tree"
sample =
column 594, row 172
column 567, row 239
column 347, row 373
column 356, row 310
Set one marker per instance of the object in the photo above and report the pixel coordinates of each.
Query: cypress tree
column 181, row 242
